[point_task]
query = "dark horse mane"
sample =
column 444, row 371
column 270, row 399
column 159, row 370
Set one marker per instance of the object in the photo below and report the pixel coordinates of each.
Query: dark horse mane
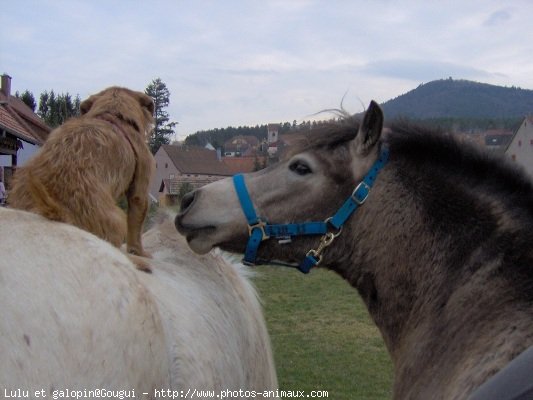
column 423, row 146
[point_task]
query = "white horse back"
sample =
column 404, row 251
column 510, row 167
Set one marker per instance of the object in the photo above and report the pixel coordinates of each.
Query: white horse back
column 77, row 315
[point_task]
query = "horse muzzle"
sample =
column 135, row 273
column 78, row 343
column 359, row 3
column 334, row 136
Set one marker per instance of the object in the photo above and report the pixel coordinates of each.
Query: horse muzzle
column 183, row 221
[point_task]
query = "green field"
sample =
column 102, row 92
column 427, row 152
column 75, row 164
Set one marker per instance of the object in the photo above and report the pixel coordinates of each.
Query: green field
column 322, row 335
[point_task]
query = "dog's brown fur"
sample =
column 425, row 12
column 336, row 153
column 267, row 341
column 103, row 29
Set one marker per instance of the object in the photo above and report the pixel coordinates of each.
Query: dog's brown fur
column 88, row 163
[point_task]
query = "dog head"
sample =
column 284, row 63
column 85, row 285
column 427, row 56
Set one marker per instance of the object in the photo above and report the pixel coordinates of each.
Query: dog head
column 136, row 108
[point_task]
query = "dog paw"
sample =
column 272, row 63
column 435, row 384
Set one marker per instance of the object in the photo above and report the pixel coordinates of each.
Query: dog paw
column 140, row 263
column 139, row 252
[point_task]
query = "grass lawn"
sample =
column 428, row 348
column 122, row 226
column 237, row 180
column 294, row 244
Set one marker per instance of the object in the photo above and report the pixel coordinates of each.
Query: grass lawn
column 322, row 335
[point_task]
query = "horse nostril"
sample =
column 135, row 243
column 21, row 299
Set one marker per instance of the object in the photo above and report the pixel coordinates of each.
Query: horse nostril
column 187, row 201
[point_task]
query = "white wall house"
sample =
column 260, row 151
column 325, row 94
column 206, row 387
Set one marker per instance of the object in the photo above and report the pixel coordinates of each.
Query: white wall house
column 520, row 149
column 178, row 165
column 22, row 132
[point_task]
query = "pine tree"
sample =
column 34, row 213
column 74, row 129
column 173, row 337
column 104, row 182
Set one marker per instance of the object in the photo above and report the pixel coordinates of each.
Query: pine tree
column 52, row 118
column 163, row 129
column 43, row 104
column 77, row 103
column 56, row 109
column 28, row 99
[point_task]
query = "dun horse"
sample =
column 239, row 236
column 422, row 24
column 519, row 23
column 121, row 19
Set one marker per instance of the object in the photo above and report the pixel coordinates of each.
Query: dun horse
column 440, row 251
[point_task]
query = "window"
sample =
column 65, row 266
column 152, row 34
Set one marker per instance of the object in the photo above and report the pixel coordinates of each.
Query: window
column 519, row 143
column 166, row 165
column 513, row 157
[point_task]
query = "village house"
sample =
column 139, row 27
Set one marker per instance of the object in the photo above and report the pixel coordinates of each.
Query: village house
column 241, row 146
column 493, row 140
column 496, row 140
column 180, row 168
column 273, row 139
column 520, row 148
column 277, row 142
column 22, row 132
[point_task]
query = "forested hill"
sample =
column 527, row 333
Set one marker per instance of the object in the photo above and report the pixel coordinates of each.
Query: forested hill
column 461, row 99
column 450, row 104
column 216, row 137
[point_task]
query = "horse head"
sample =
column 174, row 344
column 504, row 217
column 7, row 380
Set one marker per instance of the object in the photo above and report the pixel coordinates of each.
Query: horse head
column 309, row 184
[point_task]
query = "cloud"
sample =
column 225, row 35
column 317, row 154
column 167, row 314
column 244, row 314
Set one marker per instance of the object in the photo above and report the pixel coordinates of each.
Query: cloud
column 243, row 62
column 497, row 18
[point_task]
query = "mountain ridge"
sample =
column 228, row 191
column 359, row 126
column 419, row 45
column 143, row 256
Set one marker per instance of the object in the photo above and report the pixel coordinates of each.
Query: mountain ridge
column 446, row 98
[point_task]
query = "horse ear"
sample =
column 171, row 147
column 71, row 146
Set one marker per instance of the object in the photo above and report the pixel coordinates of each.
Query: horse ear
column 86, row 105
column 370, row 129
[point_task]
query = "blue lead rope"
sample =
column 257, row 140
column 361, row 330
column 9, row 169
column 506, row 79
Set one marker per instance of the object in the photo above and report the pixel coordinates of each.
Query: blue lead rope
column 260, row 230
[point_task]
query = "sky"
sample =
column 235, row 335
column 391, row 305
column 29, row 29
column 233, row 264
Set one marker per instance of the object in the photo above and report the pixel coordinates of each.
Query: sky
column 237, row 62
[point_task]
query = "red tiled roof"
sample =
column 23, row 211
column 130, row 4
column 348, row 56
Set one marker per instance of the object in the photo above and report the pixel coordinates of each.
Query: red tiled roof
column 196, row 160
column 19, row 120
column 243, row 164
column 13, row 126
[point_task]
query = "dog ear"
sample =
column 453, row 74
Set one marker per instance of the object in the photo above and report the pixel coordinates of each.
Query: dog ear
column 148, row 103
column 86, row 105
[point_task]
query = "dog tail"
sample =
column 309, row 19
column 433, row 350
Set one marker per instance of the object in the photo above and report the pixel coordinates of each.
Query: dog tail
column 47, row 206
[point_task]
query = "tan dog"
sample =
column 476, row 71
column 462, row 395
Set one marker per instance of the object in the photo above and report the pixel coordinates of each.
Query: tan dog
column 88, row 163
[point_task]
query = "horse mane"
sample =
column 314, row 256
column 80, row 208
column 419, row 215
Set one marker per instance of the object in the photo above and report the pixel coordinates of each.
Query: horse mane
column 326, row 136
column 492, row 195
column 424, row 146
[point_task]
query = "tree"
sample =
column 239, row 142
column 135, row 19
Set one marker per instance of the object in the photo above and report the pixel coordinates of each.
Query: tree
column 56, row 109
column 28, row 99
column 43, row 104
column 163, row 129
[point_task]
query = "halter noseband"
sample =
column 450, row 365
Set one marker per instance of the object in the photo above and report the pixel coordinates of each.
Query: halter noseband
column 259, row 230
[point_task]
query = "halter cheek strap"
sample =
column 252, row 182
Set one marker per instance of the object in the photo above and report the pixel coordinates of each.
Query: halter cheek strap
column 260, row 230
column 360, row 193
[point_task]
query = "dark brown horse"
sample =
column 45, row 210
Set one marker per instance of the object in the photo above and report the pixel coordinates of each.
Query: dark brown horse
column 441, row 251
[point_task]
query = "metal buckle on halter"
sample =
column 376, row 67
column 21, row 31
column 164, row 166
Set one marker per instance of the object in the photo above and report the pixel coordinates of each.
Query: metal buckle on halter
column 359, row 200
column 259, row 225
column 339, row 230
column 325, row 242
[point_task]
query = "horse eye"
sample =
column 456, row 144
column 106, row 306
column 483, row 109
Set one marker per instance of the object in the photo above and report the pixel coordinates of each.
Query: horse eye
column 300, row 168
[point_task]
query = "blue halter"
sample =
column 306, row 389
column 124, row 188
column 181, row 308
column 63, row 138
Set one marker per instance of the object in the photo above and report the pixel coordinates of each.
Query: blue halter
column 259, row 230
